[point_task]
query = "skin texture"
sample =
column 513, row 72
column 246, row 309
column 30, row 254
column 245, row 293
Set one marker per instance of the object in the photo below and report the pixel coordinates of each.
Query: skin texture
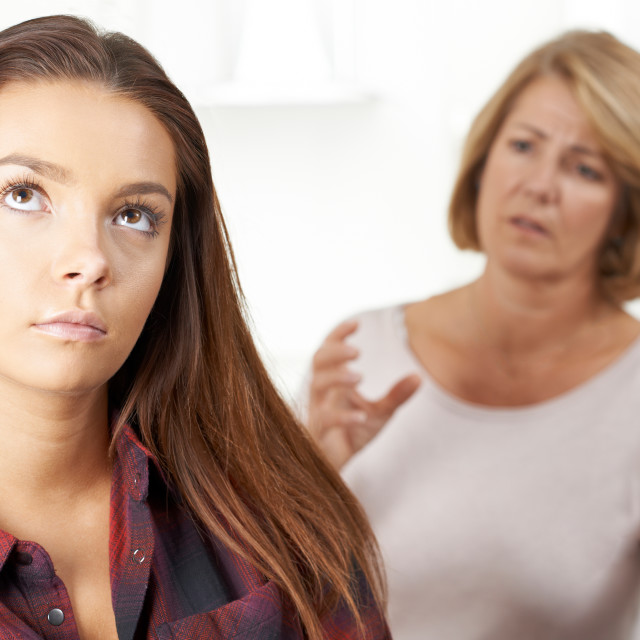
column 70, row 254
column 72, row 241
column 534, row 324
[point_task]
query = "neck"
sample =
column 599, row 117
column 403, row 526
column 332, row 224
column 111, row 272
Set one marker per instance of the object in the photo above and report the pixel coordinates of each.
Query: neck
column 519, row 316
column 54, row 445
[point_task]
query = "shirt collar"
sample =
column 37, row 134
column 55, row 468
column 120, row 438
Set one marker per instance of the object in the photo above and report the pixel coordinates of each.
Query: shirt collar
column 7, row 542
column 134, row 460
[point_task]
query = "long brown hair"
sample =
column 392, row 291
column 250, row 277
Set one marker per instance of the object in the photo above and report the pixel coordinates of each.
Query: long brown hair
column 194, row 386
column 604, row 76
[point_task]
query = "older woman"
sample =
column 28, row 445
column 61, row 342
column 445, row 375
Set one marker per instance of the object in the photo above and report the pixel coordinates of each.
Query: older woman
column 152, row 482
column 500, row 462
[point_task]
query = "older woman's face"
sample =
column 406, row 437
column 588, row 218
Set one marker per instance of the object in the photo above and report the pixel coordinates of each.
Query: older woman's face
column 546, row 195
column 86, row 201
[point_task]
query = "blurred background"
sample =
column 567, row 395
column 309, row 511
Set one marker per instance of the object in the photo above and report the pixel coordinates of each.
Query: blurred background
column 335, row 128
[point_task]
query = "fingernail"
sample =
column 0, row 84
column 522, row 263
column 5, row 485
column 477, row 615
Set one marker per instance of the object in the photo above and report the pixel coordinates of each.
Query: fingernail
column 352, row 376
column 360, row 416
column 352, row 351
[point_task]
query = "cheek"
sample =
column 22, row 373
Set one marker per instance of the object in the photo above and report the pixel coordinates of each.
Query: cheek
column 494, row 185
column 24, row 268
column 139, row 287
column 590, row 215
column 486, row 213
column 137, row 277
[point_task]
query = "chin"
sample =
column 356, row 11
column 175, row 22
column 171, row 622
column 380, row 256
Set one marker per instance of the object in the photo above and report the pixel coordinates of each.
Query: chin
column 49, row 377
column 528, row 266
column 67, row 386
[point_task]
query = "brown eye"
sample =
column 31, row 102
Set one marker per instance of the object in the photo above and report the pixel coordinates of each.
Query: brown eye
column 22, row 196
column 137, row 219
column 131, row 216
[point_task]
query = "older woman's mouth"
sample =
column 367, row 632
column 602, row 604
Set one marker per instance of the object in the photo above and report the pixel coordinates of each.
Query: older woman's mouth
column 529, row 225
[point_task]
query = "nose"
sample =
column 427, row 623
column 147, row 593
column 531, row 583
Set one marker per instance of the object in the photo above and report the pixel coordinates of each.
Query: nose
column 542, row 181
column 81, row 260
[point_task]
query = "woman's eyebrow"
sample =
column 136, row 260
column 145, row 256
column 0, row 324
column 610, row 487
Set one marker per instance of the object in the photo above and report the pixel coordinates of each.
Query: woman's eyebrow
column 47, row 169
column 578, row 148
column 58, row 173
column 143, row 188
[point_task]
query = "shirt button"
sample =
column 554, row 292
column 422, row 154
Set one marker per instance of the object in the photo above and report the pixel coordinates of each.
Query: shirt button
column 55, row 617
column 137, row 487
column 138, row 556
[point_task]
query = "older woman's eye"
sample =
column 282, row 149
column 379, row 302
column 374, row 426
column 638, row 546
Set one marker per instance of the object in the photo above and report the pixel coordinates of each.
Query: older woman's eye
column 24, row 199
column 587, row 172
column 522, row 146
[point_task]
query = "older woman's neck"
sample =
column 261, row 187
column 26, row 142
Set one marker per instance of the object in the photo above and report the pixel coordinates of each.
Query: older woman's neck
column 522, row 314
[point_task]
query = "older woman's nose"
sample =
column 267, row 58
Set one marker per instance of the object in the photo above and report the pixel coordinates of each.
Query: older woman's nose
column 541, row 181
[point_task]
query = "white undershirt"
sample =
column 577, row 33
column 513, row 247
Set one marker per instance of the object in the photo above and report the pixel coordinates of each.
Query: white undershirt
column 503, row 524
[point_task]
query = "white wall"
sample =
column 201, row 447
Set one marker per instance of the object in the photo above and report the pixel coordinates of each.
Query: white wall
column 336, row 209
column 339, row 207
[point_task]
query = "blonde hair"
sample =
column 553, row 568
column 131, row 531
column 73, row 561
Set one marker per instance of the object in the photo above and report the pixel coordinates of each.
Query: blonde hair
column 604, row 76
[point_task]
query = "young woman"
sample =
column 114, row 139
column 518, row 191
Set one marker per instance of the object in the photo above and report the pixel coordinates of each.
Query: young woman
column 504, row 492
column 153, row 483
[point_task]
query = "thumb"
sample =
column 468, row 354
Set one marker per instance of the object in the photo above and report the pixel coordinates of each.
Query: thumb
column 398, row 394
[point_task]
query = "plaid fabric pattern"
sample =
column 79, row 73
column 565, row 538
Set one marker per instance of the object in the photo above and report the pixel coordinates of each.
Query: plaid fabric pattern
column 167, row 581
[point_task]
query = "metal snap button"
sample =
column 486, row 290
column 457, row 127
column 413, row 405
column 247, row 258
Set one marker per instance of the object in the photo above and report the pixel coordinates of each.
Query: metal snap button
column 55, row 617
column 136, row 491
column 138, row 556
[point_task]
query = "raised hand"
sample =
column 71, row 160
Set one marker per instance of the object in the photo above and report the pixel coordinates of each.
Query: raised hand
column 340, row 419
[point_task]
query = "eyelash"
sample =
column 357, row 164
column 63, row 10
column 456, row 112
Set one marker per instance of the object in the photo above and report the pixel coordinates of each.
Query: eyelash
column 519, row 145
column 13, row 185
column 591, row 174
column 145, row 207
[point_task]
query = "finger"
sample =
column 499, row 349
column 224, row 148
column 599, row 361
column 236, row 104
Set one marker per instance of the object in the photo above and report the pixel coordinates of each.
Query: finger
column 360, row 402
column 331, row 354
column 343, row 330
column 323, row 381
column 339, row 445
column 329, row 420
column 398, row 394
column 336, row 448
column 352, row 418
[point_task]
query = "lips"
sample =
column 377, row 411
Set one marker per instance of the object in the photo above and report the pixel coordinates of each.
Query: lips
column 75, row 325
column 528, row 224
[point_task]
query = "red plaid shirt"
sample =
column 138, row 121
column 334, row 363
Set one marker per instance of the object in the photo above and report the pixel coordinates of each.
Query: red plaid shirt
column 167, row 582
